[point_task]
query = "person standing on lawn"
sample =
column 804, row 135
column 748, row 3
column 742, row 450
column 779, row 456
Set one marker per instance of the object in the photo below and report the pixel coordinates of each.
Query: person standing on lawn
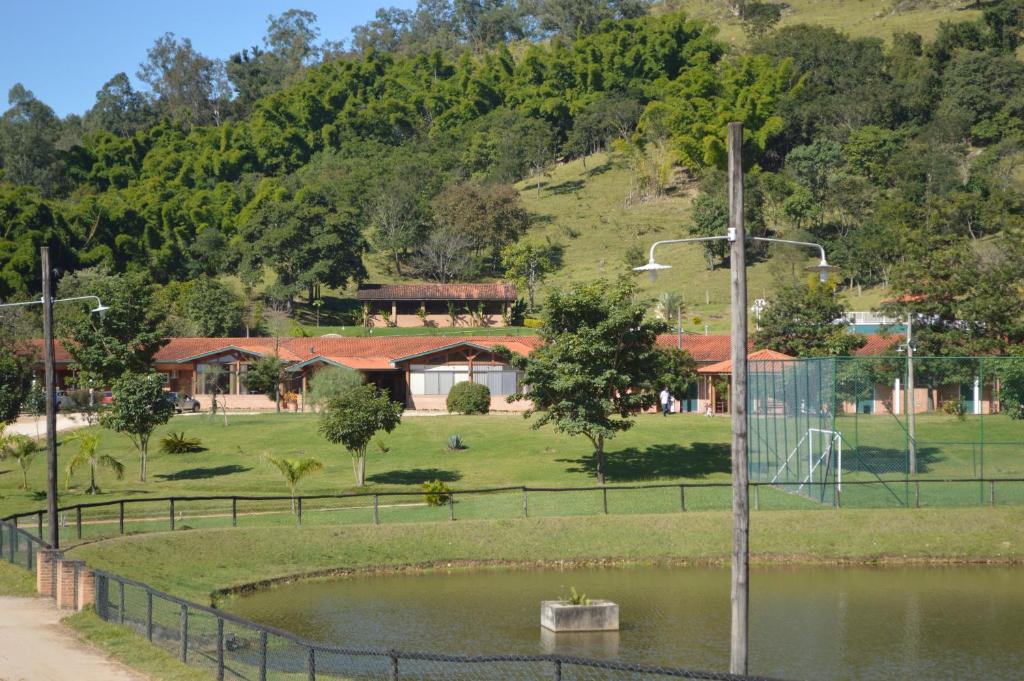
column 666, row 401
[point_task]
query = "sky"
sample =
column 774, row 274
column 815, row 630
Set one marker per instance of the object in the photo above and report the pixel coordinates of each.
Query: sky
column 65, row 50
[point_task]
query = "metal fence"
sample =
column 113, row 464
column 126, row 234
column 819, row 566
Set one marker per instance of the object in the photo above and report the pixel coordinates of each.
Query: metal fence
column 230, row 647
column 818, row 424
column 19, row 547
column 852, row 489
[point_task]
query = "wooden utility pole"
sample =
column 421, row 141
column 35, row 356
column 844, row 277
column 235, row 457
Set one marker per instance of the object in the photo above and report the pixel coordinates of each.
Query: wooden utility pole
column 740, row 507
column 51, row 407
column 911, row 400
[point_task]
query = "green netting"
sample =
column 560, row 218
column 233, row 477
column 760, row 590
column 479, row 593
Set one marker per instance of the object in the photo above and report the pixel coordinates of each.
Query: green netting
column 841, row 427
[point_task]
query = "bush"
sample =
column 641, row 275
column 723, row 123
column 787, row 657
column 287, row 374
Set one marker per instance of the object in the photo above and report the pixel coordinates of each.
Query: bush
column 957, row 408
column 455, row 443
column 469, row 398
column 531, row 323
column 436, row 493
column 177, row 443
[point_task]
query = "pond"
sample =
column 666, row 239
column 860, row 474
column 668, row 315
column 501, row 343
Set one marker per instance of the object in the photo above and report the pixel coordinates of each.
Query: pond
column 818, row 623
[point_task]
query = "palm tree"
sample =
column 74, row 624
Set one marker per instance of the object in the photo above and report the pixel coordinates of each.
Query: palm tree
column 22, row 449
column 669, row 303
column 294, row 470
column 88, row 443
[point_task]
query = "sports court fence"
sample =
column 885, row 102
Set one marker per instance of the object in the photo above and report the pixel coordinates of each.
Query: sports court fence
column 818, row 424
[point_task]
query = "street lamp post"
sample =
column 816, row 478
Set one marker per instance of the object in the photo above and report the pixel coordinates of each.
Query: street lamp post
column 50, row 374
column 736, row 237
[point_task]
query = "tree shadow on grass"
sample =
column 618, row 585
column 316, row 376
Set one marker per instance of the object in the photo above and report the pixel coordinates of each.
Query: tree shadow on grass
column 883, row 461
column 567, row 187
column 658, row 461
column 203, row 473
column 414, row 476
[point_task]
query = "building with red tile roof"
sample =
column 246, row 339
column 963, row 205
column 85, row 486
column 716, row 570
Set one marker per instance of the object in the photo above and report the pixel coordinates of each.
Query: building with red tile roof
column 437, row 305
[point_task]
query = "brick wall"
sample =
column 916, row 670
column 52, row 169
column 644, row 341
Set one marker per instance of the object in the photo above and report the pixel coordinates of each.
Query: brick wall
column 47, row 561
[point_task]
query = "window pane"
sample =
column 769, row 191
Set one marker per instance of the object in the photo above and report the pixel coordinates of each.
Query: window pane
column 430, row 383
column 445, row 381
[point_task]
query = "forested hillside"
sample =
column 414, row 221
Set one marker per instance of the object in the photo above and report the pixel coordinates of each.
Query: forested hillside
column 471, row 140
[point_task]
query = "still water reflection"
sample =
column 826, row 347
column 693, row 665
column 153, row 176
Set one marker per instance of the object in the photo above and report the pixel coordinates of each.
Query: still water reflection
column 806, row 623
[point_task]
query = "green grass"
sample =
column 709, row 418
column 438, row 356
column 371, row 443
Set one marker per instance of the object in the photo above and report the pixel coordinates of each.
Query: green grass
column 501, row 450
column 586, row 210
column 858, row 18
column 16, row 580
column 222, row 558
column 127, row 647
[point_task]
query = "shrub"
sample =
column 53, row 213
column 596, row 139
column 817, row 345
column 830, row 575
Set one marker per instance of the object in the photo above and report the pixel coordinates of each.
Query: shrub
column 531, row 323
column 436, row 493
column 177, row 443
column 469, row 398
column 575, row 598
column 455, row 443
column 957, row 408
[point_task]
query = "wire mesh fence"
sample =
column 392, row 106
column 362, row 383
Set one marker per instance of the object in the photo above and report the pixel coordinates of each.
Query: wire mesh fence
column 230, row 647
column 816, row 424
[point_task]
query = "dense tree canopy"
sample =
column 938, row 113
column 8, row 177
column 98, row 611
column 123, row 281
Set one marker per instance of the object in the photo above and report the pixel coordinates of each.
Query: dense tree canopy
column 291, row 161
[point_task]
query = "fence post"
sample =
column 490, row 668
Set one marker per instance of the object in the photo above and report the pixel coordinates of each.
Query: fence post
column 682, row 497
column 526, row 503
column 393, row 667
column 557, row 670
column 263, row 656
column 451, row 506
column 220, row 649
column 78, row 521
column 120, row 601
column 757, row 497
column 120, row 517
column 29, row 553
column 234, row 511
column 839, row 496
column 149, row 614
column 101, row 596
column 311, row 664
column 39, row 524
column 992, row 492
column 917, row 494
column 376, row 509
column 604, row 498
column 12, row 537
column 172, row 514
column 184, row 633
column 299, row 509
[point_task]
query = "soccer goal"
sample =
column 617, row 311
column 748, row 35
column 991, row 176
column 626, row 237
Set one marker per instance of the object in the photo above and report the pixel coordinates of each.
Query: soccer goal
column 814, row 465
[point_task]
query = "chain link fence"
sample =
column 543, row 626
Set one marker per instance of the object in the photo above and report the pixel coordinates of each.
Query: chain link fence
column 817, row 425
column 230, row 647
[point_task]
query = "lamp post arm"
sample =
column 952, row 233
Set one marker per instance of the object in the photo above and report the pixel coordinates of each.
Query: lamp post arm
column 58, row 300
column 683, row 241
column 808, row 244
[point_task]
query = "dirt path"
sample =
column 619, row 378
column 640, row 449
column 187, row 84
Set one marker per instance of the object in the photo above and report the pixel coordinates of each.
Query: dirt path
column 35, row 647
column 36, row 427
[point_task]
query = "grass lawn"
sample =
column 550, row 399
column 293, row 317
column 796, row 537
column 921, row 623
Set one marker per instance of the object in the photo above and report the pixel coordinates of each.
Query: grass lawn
column 222, row 558
column 501, row 450
column 131, row 649
column 16, row 580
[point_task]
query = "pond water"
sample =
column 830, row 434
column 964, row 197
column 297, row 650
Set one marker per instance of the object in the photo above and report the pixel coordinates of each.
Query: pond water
column 818, row 623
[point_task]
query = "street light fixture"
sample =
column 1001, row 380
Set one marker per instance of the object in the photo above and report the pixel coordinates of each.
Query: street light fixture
column 739, row 592
column 47, row 300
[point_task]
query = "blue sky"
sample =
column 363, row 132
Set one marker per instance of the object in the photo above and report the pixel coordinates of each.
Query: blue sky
column 65, row 50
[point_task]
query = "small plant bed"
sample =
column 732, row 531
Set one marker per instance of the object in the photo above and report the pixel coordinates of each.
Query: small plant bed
column 576, row 612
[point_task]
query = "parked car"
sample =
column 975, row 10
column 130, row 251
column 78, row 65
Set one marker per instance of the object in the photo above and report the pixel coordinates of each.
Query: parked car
column 183, row 403
column 63, row 401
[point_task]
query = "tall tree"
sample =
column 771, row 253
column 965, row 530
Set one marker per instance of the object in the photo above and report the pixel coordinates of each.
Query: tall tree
column 354, row 418
column 140, row 405
column 28, row 142
column 119, row 108
column 598, row 364
column 121, row 340
column 804, row 320
column 188, row 85
column 15, row 382
column 527, row 264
